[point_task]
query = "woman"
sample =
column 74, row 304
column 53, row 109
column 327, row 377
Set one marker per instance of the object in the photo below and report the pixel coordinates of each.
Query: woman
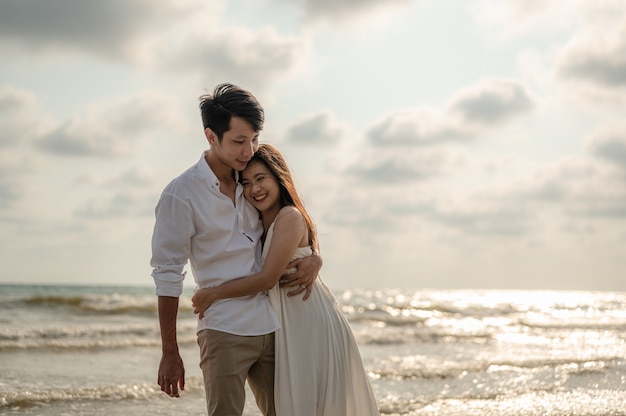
column 318, row 365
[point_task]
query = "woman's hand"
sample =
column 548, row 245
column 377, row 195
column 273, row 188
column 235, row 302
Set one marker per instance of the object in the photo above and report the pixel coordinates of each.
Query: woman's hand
column 201, row 300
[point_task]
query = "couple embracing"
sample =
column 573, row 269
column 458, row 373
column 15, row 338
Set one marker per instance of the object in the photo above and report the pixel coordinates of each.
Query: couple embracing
column 264, row 315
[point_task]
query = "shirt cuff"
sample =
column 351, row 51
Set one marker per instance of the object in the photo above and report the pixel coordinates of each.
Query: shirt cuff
column 168, row 288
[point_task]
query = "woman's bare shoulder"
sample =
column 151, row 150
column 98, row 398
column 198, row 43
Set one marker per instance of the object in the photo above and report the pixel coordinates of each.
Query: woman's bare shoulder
column 289, row 212
column 291, row 215
column 290, row 220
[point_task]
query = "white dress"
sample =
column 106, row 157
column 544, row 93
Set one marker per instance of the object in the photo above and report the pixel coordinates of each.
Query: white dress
column 319, row 371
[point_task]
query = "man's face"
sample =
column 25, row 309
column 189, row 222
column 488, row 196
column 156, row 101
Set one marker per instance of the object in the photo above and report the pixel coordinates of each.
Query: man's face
column 238, row 144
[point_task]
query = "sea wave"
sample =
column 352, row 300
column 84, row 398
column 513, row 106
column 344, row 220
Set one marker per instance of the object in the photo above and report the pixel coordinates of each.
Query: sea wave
column 572, row 324
column 407, row 368
column 403, row 336
column 109, row 304
column 85, row 337
column 116, row 392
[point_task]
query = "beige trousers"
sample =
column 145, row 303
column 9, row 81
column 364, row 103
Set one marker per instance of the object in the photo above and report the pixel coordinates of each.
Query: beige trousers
column 226, row 361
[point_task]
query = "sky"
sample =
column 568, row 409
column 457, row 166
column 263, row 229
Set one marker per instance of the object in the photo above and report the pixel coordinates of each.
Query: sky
column 437, row 144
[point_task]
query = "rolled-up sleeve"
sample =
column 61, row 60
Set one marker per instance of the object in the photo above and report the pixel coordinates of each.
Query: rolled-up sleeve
column 171, row 244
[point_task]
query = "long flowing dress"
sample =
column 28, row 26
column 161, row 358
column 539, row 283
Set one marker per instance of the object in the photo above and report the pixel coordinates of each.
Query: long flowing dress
column 319, row 371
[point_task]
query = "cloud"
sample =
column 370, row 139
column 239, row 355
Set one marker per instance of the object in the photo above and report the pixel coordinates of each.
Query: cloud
column 524, row 17
column 442, row 188
column 398, row 198
column 405, row 153
column 478, row 216
column 329, row 10
column 551, row 200
column 136, row 177
column 609, row 144
column 594, row 60
column 187, row 38
column 130, row 193
column 361, row 211
column 114, row 129
column 599, row 62
column 315, row 129
column 392, row 167
column 574, row 188
column 389, row 170
column 254, row 60
column 123, row 204
column 383, row 189
column 17, row 170
column 590, row 62
column 592, row 57
column 80, row 138
column 21, row 116
column 111, row 28
column 472, row 110
column 492, row 102
column 9, row 193
column 409, row 127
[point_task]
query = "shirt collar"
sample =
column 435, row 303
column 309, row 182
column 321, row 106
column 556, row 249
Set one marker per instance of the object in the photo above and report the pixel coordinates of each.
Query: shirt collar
column 206, row 170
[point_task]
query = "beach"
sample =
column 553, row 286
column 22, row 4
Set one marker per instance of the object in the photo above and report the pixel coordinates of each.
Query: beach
column 74, row 350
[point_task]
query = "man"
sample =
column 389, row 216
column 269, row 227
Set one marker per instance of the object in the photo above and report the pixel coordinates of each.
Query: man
column 202, row 217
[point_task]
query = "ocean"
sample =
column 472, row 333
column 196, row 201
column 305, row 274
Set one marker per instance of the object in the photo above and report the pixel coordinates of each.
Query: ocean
column 87, row 350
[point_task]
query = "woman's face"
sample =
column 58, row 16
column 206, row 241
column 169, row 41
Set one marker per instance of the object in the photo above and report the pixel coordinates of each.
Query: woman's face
column 261, row 187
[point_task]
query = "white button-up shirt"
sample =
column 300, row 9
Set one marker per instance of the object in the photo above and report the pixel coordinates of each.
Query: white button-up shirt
column 195, row 222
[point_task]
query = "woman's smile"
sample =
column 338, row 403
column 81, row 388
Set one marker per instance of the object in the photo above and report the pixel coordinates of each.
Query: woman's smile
column 260, row 197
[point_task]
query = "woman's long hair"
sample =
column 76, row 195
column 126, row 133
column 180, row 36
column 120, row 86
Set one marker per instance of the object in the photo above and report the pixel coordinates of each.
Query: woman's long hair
column 275, row 162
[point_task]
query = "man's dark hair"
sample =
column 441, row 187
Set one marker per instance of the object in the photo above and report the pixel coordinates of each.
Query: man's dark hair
column 229, row 101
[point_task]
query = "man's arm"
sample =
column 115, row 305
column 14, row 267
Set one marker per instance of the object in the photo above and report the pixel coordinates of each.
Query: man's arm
column 171, row 369
column 171, row 248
